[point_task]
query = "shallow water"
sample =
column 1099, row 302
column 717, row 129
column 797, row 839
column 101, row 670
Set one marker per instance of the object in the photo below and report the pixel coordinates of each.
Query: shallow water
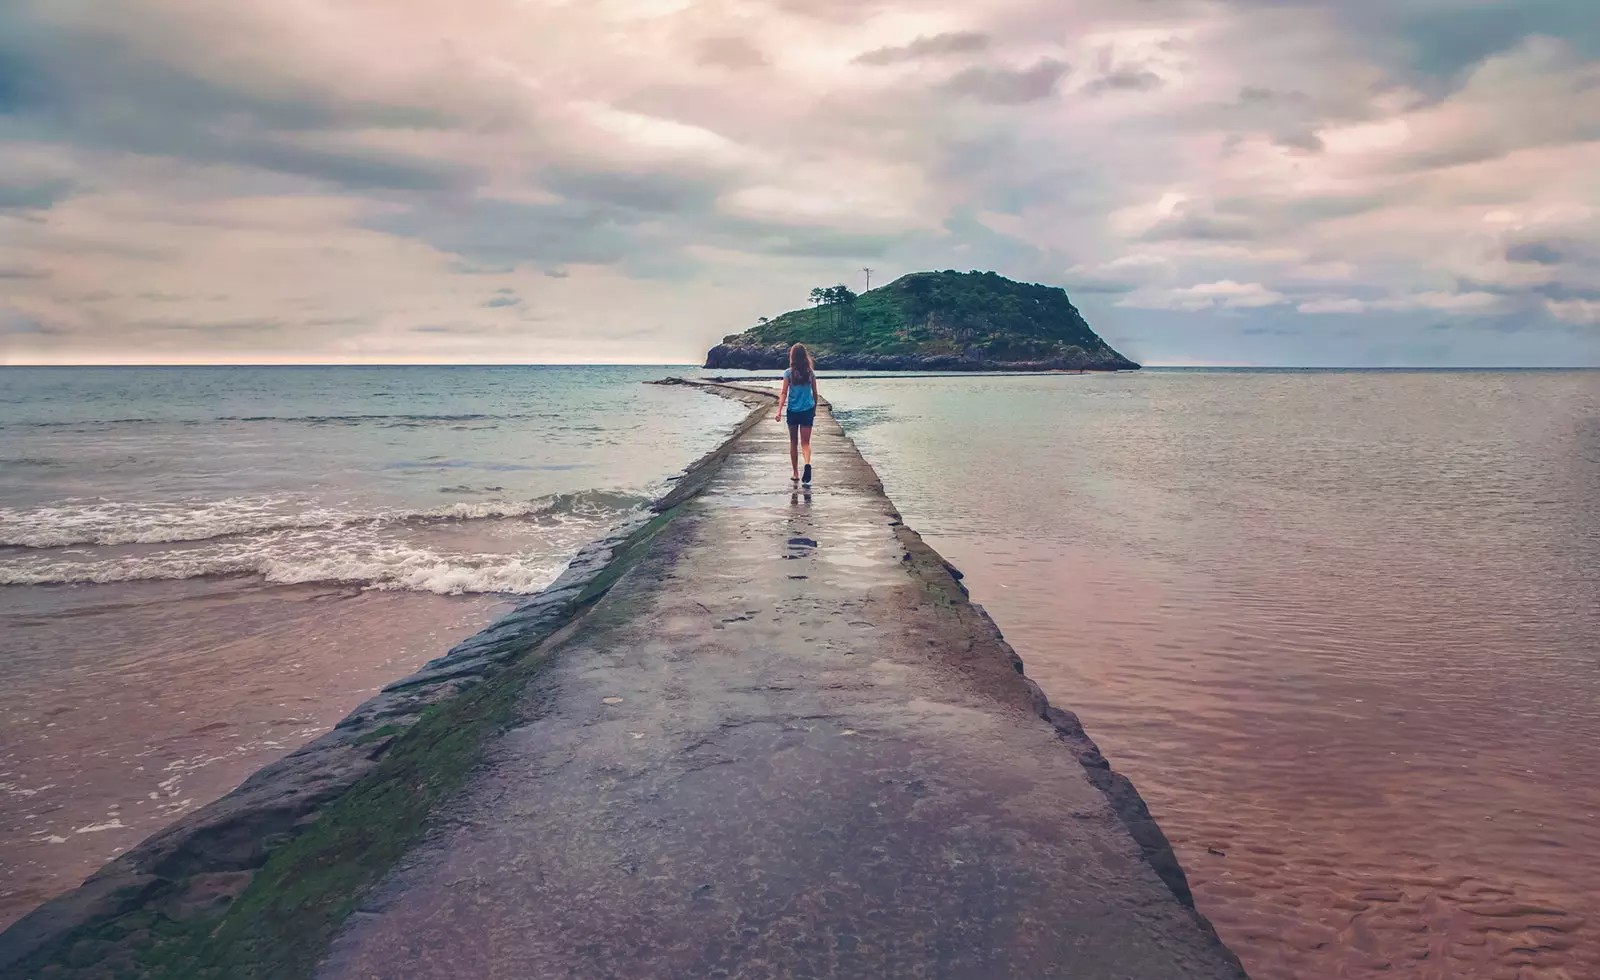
column 1338, row 627
column 203, row 568
column 130, row 704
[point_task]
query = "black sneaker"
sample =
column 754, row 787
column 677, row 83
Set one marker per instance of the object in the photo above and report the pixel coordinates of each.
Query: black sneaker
column 805, row 475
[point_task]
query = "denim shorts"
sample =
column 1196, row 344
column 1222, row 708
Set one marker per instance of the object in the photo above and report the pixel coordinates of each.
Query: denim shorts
column 802, row 418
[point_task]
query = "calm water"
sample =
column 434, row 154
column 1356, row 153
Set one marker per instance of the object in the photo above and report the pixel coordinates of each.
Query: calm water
column 1340, row 629
column 202, row 568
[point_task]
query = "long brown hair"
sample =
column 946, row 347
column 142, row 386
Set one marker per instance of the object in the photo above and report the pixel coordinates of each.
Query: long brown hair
column 801, row 367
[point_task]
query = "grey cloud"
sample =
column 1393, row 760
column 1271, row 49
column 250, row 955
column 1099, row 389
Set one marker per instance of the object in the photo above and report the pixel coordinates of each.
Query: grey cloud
column 813, row 246
column 1449, row 39
column 1008, row 86
column 23, row 272
column 1007, row 254
column 1308, row 210
column 241, row 325
column 1288, row 117
column 838, row 11
column 1202, row 227
column 1562, row 290
column 500, row 302
column 61, row 83
column 460, row 328
column 1304, row 139
column 657, row 191
column 358, row 169
column 485, row 230
column 21, row 324
column 731, row 52
column 1256, row 95
column 1127, row 79
column 928, row 46
column 1090, row 284
column 1538, row 253
column 33, row 196
column 1431, row 45
column 1253, row 218
column 475, row 269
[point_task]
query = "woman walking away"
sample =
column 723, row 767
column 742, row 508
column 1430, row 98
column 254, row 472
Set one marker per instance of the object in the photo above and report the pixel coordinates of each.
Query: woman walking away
column 799, row 397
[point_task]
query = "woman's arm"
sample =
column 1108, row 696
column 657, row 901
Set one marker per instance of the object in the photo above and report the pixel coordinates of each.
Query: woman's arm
column 816, row 393
column 783, row 399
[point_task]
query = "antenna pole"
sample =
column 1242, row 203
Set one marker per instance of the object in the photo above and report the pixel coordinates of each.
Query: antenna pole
column 869, row 279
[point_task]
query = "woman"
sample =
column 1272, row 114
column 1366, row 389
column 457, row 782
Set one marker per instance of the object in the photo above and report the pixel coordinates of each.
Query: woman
column 799, row 397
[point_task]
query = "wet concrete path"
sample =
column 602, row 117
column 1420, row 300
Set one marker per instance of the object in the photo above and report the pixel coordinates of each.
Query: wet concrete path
column 784, row 745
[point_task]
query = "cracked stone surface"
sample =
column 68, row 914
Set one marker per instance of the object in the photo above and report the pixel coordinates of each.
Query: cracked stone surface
column 780, row 747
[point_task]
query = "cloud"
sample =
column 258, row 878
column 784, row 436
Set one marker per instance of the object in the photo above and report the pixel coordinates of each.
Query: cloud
column 1332, row 304
column 192, row 180
column 1439, row 301
column 733, row 52
column 1442, row 301
column 1579, row 311
column 1539, row 253
column 1225, row 294
column 32, row 196
column 929, row 46
column 1123, row 274
column 1126, row 79
column 1008, row 86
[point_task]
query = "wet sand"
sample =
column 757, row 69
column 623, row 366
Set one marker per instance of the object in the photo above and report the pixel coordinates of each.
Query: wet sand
column 129, row 704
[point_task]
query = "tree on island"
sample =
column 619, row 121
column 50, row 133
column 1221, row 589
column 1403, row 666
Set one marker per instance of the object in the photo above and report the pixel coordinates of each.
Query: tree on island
column 838, row 298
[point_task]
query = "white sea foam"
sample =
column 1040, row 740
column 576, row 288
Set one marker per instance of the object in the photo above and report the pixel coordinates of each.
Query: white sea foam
column 395, row 567
column 105, row 522
column 438, row 550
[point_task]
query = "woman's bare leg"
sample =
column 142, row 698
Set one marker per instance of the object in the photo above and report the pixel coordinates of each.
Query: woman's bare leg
column 805, row 442
column 794, row 449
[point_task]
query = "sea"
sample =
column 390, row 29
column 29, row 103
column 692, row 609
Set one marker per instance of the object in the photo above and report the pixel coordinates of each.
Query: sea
column 203, row 568
column 1339, row 627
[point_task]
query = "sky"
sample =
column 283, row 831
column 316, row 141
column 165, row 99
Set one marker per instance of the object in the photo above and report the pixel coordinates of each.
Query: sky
column 1326, row 182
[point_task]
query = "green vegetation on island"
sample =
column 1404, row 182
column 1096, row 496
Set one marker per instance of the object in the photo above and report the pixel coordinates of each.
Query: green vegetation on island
column 929, row 321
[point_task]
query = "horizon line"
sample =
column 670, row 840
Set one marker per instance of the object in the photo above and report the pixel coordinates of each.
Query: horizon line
column 696, row 366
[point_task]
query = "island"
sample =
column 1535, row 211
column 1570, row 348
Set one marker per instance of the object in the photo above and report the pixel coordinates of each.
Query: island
column 929, row 321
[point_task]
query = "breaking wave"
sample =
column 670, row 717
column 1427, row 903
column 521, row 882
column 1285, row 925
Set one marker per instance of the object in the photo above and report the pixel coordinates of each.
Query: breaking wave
column 104, row 522
column 515, row 547
column 395, row 567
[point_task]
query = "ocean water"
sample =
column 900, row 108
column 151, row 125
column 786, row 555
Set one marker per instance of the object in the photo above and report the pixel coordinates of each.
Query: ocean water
column 1342, row 629
column 203, row 568
column 440, row 479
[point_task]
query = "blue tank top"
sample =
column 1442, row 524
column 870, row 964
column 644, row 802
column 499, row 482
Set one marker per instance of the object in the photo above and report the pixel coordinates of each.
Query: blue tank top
column 800, row 399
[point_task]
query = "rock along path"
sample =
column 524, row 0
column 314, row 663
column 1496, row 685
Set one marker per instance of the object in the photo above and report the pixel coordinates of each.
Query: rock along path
column 785, row 745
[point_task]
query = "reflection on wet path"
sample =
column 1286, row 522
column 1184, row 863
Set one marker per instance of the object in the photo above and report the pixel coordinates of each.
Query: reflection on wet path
column 1337, row 628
